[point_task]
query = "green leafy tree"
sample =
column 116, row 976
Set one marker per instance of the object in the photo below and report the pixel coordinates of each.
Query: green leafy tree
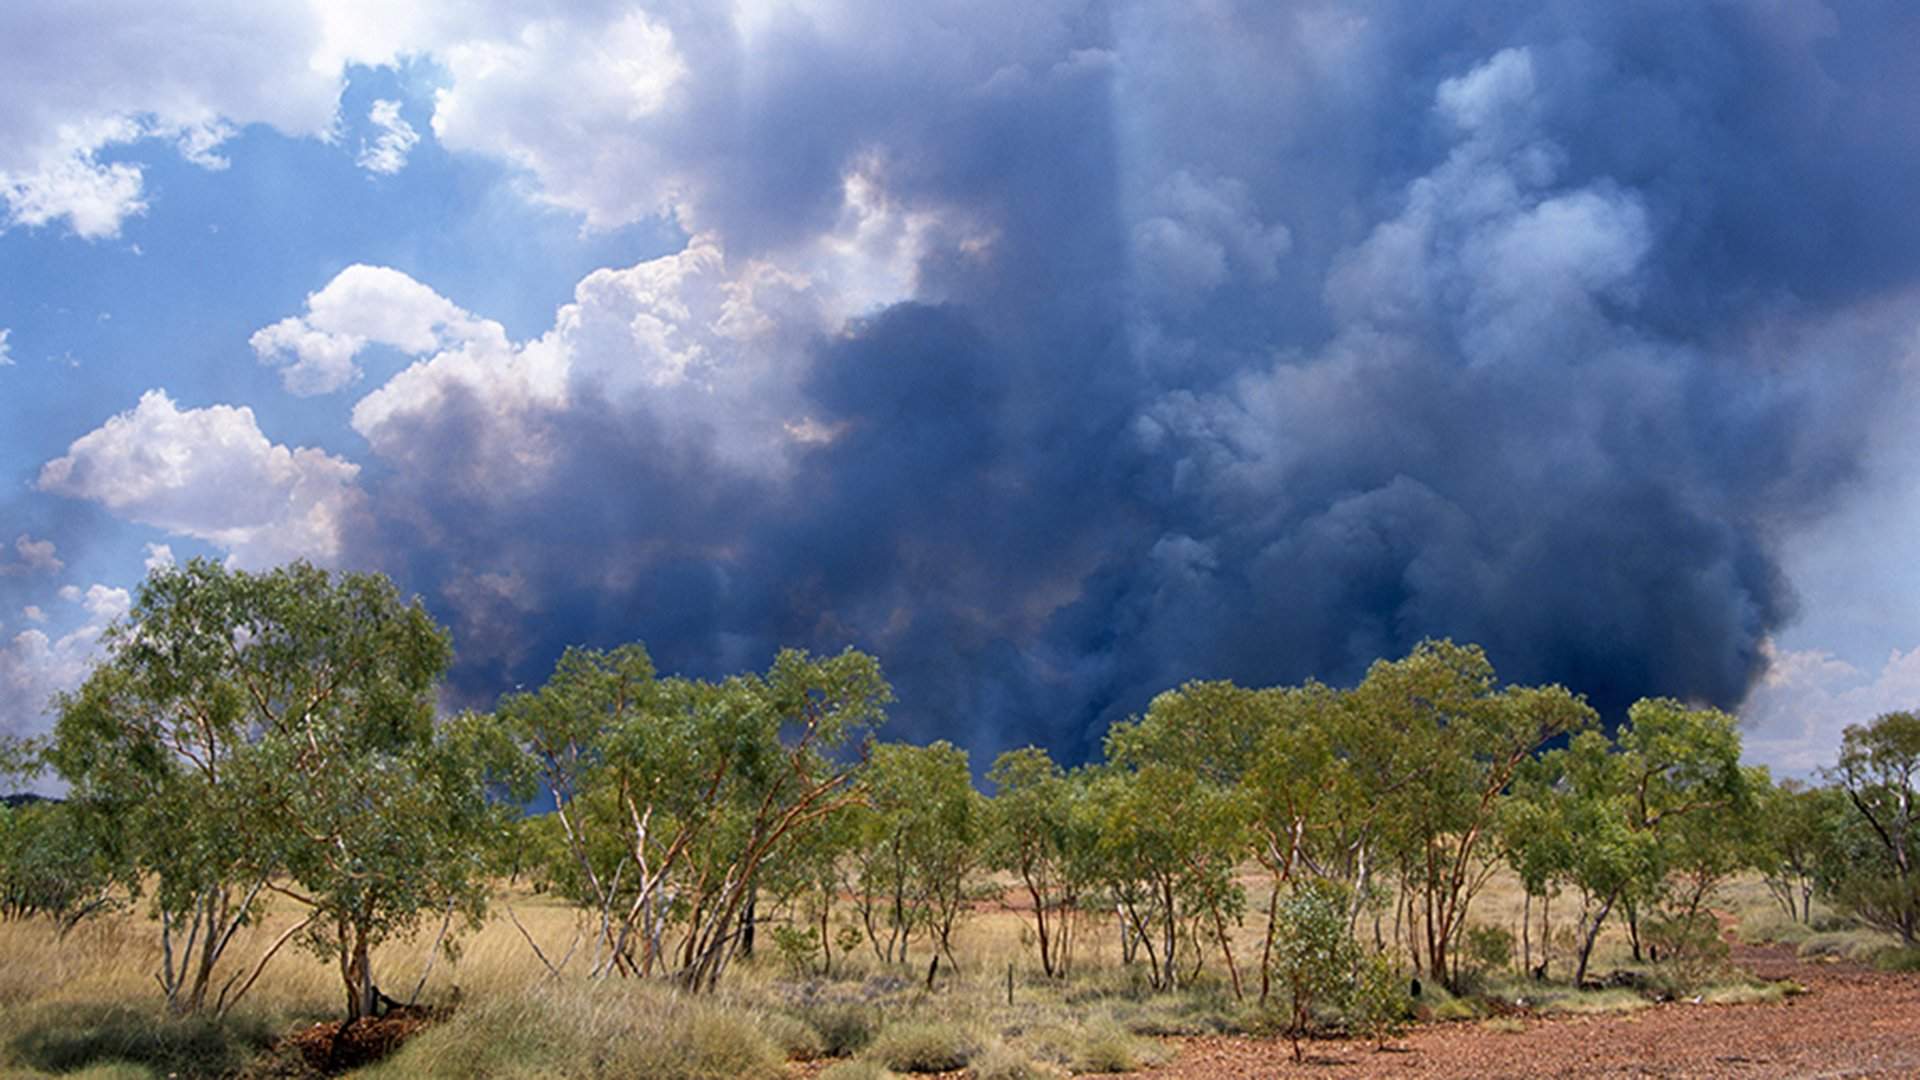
column 1035, row 834
column 1165, row 850
column 676, row 796
column 1314, row 953
column 49, row 865
column 273, row 732
column 1443, row 701
column 1620, row 821
column 1795, row 830
column 1874, row 867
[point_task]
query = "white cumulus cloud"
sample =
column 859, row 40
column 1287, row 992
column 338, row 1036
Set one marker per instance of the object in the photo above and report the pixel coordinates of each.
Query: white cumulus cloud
column 79, row 79
column 1795, row 716
column 5, row 357
column 362, row 306
column 211, row 474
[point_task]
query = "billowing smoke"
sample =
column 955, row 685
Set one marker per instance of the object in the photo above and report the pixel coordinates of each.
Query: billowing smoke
column 1058, row 354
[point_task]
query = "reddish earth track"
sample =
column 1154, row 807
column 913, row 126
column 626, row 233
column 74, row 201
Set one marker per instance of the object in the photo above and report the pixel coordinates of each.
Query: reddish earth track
column 1852, row 1021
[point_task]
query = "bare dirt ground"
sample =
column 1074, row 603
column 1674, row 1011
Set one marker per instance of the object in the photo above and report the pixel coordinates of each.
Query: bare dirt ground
column 1852, row 1021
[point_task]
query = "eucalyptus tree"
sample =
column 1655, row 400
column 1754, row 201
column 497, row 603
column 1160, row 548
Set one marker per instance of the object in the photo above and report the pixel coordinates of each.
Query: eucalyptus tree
column 673, row 795
column 927, row 824
column 1874, row 869
column 1036, row 834
column 274, row 732
column 1443, row 702
column 50, row 867
column 1656, row 804
column 1166, row 848
column 1796, row 829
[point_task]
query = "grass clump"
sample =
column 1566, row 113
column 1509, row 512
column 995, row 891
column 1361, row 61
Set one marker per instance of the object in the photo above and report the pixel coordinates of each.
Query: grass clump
column 1004, row 1062
column 844, row 1027
column 1101, row 1044
column 924, row 1046
column 1587, row 1002
column 796, row 1039
column 594, row 1031
column 1747, row 993
column 121, row 1039
column 1853, row 944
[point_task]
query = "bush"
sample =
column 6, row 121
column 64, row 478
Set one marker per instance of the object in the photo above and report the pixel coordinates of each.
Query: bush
column 796, row 1038
column 1489, row 948
column 845, row 1027
column 923, row 1046
column 1690, row 948
column 1897, row 959
column 1378, row 1008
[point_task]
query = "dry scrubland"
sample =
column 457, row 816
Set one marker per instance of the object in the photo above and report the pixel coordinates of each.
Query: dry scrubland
column 88, row 1005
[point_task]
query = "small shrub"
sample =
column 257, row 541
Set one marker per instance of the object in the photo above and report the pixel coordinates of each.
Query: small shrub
column 1378, row 1007
column 1003, row 1062
column 1313, row 951
column 1897, row 959
column 796, row 1038
column 845, row 1027
column 1489, row 948
column 1691, row 950
column 1504, row 1025
column 923, row 1046
column 798, row 949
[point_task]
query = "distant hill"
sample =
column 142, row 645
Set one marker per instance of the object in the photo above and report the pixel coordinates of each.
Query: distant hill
column 24, row 798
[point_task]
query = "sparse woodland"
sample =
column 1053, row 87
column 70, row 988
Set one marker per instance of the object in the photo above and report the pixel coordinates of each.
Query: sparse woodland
column 257, row 774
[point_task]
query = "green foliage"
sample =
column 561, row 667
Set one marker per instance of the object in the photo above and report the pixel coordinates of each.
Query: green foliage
column 1489, row 948
column 921, row 833
column 1314, row 952
column 1655, row 817
column 676, row 799
column 1037, row 831
column 49, row 865
column 248, row 727
column 1689, row 946
column 1872, row 863
column 1378, row 1006
column 798, row 948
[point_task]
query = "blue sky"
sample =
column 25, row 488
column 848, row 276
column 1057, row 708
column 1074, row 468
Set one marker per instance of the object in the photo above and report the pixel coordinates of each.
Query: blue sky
column 1055, row 352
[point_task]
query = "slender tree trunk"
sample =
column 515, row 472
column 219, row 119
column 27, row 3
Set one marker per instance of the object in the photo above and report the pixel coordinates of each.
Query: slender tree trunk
column 1586, row 945
column 1266, row 950
column 1526, row 933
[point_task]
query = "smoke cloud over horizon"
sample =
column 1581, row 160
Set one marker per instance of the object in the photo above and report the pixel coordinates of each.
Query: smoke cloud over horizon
column 1058, row 353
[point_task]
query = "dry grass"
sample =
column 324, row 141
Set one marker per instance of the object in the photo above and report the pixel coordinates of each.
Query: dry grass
column 512, row 1016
